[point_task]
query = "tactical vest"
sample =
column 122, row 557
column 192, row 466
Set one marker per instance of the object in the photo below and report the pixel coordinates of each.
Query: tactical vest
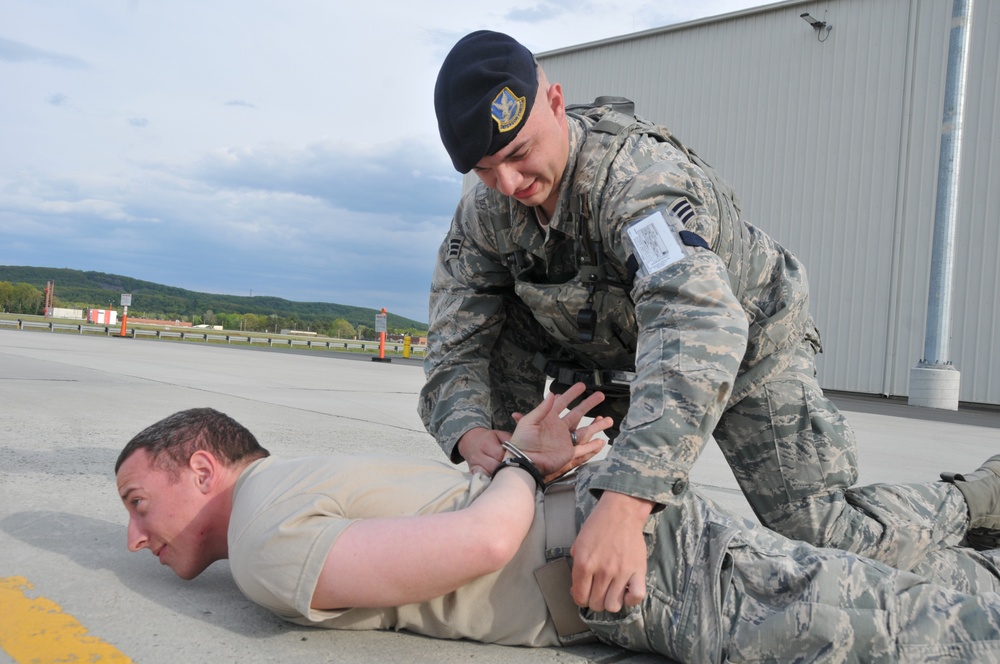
column 592, row 316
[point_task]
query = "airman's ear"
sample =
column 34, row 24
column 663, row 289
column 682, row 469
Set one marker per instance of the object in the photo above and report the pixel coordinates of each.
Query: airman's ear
column 556, row 101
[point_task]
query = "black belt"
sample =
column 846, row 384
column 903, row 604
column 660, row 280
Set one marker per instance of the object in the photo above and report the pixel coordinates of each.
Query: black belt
column 609, row 380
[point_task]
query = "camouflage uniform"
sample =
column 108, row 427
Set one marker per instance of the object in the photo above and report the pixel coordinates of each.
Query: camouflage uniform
column 722, row 589
column 720, row 342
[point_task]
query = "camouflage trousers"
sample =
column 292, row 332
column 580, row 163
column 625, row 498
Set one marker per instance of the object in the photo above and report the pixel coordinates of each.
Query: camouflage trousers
column 792, row 452
column 723, row 589
column 795, row 458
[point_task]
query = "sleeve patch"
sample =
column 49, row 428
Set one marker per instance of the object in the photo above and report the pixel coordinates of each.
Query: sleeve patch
column 682, row 208
column 455, row 246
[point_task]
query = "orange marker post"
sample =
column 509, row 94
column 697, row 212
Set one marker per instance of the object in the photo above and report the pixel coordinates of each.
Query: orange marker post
column 126, row 300
column 380, row 327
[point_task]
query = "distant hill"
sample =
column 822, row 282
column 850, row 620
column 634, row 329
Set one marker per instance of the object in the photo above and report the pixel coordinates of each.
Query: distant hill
column 78, row 289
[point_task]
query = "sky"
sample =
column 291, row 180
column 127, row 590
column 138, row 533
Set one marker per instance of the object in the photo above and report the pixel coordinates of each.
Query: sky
column 285, row 148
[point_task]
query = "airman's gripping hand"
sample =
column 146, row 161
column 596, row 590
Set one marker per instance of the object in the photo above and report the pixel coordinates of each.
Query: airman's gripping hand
column 609, row 554
column 481, row 449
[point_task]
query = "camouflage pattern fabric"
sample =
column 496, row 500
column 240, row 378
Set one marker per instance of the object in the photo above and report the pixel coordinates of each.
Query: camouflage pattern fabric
column 795, row 457
column 722, row 589
column 473, row 284
column 706, row 361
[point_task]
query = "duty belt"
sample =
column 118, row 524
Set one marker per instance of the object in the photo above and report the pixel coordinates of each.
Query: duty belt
column 595, row 379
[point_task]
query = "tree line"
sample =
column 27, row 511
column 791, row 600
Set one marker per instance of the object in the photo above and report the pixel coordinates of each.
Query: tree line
column 338, row 328
column 28, row 299
column 21, row 299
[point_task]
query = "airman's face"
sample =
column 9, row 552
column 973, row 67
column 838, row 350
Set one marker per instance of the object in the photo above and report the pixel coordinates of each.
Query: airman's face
column 165, row 514
column 531, row 167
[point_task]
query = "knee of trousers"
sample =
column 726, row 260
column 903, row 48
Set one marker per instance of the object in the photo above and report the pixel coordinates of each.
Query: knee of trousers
column 822, row 519
column 787, row 442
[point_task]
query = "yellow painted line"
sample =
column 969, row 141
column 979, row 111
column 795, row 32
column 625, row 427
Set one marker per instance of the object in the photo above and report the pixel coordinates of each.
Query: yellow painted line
column 36, row 631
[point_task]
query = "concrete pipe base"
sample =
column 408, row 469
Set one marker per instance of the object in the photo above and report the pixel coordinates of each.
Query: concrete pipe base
column 934, row 387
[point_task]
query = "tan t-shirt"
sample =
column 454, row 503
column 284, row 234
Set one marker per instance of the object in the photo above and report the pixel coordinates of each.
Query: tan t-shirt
column 287, row 514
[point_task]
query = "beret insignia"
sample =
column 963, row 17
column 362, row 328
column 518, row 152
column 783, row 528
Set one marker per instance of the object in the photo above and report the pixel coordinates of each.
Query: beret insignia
column 508, row 110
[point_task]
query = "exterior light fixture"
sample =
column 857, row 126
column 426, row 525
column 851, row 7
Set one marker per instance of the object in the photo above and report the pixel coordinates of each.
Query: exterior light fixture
column 822, row 28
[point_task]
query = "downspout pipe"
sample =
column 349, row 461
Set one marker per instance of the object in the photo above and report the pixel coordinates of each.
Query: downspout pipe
column 935, row 381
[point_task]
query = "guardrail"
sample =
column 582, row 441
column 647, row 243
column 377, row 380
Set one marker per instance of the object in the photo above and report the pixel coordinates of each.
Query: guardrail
column 52, row 327
column 200, row 335
column 270, row 341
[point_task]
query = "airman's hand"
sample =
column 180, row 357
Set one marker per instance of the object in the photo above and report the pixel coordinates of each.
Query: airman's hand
column 481, row 449
column 609, row 554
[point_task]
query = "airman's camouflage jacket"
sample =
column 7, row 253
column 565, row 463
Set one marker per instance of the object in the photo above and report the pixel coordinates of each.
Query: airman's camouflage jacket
column 708, row 328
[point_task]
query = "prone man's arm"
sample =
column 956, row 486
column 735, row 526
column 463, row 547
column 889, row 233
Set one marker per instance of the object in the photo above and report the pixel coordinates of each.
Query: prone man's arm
column 402, row 560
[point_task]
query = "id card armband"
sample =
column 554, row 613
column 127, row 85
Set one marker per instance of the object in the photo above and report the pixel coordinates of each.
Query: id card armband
column 659, row 240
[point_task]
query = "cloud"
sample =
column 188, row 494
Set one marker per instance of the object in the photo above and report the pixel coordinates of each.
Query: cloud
column 332, row 186
column 547, row 10
column 331, row 221
column 13, row 51
column 406, row 177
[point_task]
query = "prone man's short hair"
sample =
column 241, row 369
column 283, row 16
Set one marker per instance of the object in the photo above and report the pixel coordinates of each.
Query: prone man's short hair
column 171, row 441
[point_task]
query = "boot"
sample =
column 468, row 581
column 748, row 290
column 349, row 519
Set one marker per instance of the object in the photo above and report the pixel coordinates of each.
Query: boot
column 982, row 496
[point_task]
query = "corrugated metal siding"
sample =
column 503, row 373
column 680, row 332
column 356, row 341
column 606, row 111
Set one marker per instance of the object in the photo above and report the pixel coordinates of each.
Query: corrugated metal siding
column 833, row 148
column 977, row 344
column 929, row 24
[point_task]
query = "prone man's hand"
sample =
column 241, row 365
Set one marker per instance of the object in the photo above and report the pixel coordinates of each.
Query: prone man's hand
column 481, row 449
column 556, row 442
column 609, row 554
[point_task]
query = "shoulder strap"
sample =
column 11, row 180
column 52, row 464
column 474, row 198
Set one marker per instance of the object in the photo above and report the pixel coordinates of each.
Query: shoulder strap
column 614, row 122
column 608, row 133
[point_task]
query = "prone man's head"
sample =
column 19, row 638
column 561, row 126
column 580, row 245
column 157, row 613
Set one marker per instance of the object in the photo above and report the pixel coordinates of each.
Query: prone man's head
column 175, row 478
column 171, row 441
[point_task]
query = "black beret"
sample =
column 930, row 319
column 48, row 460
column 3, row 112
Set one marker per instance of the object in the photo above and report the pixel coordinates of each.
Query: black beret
column 483, row 96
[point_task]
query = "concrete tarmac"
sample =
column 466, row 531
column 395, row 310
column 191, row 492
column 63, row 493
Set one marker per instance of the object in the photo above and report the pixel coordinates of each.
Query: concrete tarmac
column 68, row 404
